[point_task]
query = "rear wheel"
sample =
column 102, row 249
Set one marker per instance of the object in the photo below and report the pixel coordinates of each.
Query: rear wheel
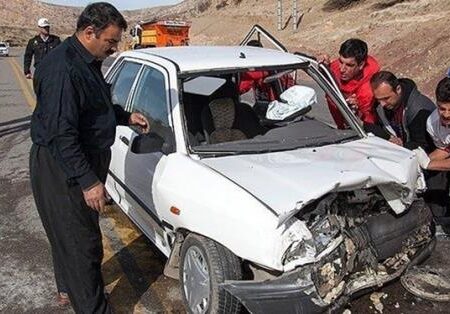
column 204, row 265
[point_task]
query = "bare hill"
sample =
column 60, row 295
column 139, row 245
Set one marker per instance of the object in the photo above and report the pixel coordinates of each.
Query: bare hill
column 409, row 37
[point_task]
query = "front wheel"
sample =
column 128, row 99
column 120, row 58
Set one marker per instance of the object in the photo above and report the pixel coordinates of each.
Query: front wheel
column 204, row 265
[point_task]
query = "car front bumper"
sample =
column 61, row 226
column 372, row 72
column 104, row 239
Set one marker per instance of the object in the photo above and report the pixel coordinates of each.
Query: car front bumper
column 385, row 246
column 289, row 294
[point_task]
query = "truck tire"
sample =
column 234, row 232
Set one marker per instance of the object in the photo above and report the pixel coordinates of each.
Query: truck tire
column 205, row 264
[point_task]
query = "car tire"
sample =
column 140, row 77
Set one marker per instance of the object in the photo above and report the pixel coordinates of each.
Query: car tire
column 213, row 264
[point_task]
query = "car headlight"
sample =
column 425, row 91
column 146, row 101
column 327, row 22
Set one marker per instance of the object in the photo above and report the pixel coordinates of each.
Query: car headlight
column 324, row 238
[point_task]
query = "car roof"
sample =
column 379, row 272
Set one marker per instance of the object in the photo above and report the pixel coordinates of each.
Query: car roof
column 205, row 58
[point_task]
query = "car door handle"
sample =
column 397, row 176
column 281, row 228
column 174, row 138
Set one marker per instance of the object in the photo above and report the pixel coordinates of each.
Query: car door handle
column 124, row 140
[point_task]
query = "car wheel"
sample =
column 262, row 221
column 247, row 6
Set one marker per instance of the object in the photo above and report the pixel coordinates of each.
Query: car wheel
column 204, row 265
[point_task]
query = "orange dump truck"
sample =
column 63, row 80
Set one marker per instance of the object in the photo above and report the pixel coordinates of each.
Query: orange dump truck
column 163, row 34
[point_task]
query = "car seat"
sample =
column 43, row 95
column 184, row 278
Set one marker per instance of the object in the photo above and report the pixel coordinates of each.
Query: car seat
column 225, row 120
column 218, row 119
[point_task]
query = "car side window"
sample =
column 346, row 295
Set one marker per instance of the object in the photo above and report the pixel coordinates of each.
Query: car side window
column 123, row 82
column 150, row 97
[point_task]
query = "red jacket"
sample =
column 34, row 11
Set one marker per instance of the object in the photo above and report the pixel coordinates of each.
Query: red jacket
column 361, row 88
column 254, row 79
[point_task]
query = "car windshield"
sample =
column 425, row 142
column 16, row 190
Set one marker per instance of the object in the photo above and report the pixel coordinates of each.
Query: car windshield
column 2, row 46
column 258, row 111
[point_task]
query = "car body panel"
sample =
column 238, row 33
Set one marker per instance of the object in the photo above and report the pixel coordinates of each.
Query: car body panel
column 303, row 175
column 214, row 206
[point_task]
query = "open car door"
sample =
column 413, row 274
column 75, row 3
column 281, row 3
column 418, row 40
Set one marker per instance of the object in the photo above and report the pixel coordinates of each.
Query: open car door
column 260, row 32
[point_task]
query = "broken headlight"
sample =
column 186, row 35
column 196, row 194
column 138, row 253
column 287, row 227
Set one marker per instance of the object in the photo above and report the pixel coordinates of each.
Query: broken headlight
column 325, row 238
column 324, row 232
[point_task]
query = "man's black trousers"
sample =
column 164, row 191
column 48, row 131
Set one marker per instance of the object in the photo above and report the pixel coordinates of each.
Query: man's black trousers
column 437, row 195
column 72, row 229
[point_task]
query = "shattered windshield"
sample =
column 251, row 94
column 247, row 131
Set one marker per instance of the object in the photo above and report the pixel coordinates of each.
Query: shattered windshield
column 258, row 111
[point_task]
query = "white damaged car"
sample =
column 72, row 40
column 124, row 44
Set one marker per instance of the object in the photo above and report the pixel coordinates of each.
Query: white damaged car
column 254, row 196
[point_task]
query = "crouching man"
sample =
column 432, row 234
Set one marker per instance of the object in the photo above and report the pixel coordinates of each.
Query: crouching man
column 402, row 111
column 437, row 162
column 402, row 114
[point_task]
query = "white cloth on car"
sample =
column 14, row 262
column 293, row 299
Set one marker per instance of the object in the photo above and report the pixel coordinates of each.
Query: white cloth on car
column 293, row 99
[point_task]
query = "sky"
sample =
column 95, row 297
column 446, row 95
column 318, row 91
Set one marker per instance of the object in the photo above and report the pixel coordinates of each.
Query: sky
column 119, row 4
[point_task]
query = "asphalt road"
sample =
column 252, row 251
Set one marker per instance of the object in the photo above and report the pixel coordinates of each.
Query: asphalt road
column 132, row 266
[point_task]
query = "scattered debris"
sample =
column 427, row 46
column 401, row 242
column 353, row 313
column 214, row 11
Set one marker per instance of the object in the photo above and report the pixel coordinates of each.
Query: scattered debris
column 427, row 283
column 376, row 300
column 347, row 311
column 396, row 305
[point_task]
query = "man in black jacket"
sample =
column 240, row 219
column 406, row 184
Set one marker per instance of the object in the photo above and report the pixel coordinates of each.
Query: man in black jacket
column 72, row 129
column 402, row 111
column 402, row 114
column 39, row 46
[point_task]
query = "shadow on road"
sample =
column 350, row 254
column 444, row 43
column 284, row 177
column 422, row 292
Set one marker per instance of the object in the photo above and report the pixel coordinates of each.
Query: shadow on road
column 24, row 119
column 131, row 280
column 14, row 126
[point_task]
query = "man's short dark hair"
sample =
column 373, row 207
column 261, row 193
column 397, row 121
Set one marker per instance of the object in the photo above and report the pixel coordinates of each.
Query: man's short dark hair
column 443, row 90
column 354, row 48
column 384, row 77
column 100, row 15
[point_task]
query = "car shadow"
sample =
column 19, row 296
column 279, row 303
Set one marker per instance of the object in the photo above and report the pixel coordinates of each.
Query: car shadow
column 129, row 279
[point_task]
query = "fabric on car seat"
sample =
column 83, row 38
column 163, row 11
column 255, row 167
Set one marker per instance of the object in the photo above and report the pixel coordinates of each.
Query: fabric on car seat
column 223, row 113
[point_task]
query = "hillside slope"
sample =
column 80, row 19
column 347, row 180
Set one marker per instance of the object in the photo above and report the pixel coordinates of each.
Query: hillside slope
column 409, row 37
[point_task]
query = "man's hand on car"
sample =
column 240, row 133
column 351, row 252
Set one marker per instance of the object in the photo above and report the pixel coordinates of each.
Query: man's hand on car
column 324, row 59
column 138, row 119
column 28, row 76
column 396, row 140
column 96, row 197
column 352, row 101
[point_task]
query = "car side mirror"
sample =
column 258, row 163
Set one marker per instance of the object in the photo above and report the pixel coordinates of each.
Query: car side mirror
column 151, row 143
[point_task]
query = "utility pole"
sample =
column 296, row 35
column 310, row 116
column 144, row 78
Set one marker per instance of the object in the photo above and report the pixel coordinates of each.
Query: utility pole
column 295, row 15
column 280, row 15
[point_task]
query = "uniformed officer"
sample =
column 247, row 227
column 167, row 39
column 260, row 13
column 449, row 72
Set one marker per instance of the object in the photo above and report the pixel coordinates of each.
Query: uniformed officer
column 72, row 129
column 39, row 46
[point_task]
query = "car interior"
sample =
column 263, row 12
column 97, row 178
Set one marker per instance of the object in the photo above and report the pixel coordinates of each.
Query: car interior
column 218, row 118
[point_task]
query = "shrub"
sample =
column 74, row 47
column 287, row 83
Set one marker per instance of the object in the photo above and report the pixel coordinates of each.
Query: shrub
column 333, row 5
column 204, row 5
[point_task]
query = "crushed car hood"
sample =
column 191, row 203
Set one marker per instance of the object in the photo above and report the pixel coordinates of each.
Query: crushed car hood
column 287, row 181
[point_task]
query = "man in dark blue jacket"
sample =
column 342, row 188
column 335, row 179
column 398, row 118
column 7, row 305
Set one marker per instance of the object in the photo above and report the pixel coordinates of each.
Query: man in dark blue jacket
column 39, row 46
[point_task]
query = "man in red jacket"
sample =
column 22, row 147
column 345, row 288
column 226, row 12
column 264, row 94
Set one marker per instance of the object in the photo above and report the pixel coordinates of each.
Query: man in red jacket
column 352, row 71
